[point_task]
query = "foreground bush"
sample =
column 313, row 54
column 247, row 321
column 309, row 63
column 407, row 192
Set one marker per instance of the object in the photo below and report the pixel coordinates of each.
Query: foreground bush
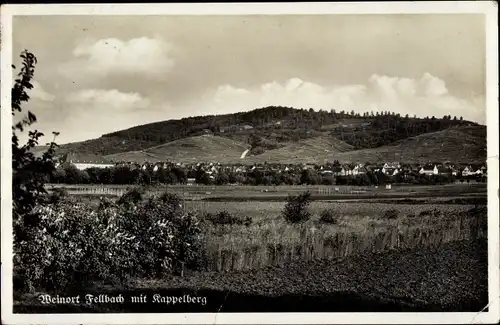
column 295, row 210
column 132, row 196
column 328, row 216
column 57, row 195
column 226, row 218
column 72, row 243
column 391, row 214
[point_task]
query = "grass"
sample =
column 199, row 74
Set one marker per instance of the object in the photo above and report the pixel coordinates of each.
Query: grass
column 227, row 192
column 361, row 228
column 355, row 211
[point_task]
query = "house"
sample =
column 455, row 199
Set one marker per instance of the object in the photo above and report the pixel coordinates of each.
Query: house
column 468, row 171
column 241, row 169
column 392, row 171
column 347, row 170
column 191, row 181
column 342, row 170
column 84, row 161
column 392, row 165
column 359, row 169
column 477, row 170
column 429, row 170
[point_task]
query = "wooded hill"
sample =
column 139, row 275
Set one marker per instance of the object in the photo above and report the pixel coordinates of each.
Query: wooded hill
column 267, row 130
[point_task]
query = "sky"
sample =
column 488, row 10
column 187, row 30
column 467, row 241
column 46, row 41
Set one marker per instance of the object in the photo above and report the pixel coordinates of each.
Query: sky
column 99, row 74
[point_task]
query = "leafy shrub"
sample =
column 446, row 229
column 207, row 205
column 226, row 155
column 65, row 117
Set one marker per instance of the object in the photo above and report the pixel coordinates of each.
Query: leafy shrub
column 61, row 245
column 226, row 218
column 295, row 210
column 57, row 195
column 132, row 196
column 328, row 216
column 391, row 214
column 172, row 201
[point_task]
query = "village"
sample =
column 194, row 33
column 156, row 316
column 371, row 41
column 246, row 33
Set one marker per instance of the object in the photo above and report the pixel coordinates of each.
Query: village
column 212, row 170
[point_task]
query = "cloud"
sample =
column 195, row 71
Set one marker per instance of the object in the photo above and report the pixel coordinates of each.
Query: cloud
column 90, row 113
column 107, row 99
column 108, row 56
column 37, row 92
column 426, row 96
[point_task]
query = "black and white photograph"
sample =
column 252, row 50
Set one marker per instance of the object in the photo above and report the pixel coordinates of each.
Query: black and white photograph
column 250, row 163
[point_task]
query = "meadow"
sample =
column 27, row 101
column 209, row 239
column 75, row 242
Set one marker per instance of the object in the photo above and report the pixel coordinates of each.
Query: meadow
column 359, row 228
column 260, row 192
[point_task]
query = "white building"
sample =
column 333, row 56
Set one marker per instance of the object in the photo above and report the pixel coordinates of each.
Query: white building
column 429, row 170
column 84, row 161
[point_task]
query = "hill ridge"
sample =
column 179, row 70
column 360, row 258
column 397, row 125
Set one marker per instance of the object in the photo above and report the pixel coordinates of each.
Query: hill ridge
column 275, row 130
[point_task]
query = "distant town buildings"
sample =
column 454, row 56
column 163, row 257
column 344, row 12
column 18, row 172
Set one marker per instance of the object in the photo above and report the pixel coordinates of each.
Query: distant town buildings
column 84, row 161
column 328, row 170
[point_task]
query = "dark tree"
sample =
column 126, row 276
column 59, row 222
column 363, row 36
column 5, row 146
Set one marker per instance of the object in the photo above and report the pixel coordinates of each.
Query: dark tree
column 29, row 173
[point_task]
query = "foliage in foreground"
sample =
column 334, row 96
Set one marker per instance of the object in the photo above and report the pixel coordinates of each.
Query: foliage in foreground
column 328, row 216
column 29, row 173
column 71, row 242
column 296, row 208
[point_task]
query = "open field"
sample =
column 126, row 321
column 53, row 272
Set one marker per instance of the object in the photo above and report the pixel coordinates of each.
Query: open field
column 360, row 227
column 452, row 277
column 198, row 192
column 271, row 210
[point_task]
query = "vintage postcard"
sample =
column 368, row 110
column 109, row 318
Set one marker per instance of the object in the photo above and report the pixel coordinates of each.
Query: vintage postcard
column 254, row 163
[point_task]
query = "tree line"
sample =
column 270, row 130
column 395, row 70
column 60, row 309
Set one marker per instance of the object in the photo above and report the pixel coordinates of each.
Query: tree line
column 122, row 175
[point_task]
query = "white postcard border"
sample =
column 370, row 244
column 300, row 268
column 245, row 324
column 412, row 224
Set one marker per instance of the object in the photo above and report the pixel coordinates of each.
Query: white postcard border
column 490, row 9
